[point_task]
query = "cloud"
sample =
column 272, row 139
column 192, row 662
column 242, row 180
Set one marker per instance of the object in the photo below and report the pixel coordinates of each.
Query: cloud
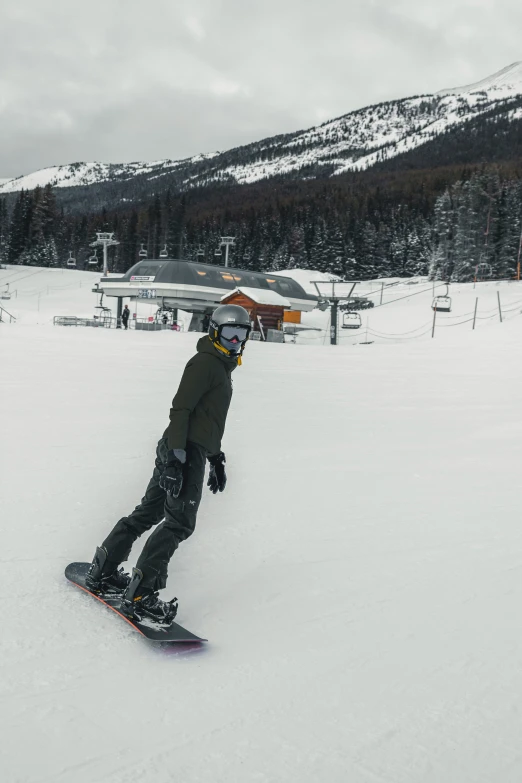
column 113, row 80
column 226, row 87
column 195, row 27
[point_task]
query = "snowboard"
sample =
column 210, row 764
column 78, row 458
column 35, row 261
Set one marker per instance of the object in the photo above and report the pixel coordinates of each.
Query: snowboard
column 173, row 633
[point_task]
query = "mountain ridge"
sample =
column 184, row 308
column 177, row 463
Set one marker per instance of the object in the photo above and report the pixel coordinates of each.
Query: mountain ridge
column 358, row 140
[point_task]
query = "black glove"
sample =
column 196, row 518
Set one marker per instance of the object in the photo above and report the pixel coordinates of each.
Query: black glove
column 172, row 477
column 217, row 478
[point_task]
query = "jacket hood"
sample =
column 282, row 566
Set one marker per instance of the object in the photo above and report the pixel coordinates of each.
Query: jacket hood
column 205, row 345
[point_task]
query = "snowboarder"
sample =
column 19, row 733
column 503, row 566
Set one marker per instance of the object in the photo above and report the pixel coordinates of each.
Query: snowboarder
column 172, row 497
column 125, row 316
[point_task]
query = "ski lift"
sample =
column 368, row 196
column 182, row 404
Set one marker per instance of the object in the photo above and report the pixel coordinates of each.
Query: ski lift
column 5, row 294
column 218, row 252
column 482, row 270
column 442, row 304
column 164, row 315
column 142, row 253
column 200, row 252
column 351, row 320
column 104, row 314
column 71, row 261
column 93, row 260
column 164, row 253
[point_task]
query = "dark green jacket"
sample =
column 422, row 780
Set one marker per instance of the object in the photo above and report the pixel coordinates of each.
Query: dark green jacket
column 199, row 409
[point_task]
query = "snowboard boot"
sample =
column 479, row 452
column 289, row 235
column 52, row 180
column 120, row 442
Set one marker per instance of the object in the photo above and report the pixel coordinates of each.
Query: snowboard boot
column 139, row 603
column 103, row 578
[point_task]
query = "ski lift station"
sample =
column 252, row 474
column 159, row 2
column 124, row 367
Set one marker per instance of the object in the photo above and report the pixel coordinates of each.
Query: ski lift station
column 198, row 288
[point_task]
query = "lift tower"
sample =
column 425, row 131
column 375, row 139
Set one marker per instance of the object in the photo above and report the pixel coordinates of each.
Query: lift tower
column 227, row 242
column 105, row 239
column 330, row 293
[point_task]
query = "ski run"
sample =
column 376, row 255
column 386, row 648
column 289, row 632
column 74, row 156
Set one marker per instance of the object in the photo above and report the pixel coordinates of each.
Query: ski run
column 359, row 580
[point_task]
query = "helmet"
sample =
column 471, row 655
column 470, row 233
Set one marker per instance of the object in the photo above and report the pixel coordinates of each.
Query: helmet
column 229, row 328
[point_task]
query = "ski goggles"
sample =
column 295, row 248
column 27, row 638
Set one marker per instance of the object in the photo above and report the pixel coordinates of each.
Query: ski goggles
column 234, row 334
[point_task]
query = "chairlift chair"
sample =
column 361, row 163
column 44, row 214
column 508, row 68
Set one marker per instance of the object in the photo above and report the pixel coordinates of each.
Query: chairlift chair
column 163, row 315
column 442, row 304
column 142, row 253
column 357, row 303
column 104, row 314
column 5, row 294
column 71, row 261
column 351, row 321
column 200, row 252
column 218, row 252
column 482, row 270
column 93, row 260
column 164, row 253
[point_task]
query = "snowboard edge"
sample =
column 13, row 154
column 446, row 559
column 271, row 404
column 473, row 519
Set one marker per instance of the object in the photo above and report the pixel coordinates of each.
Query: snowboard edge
column 174, row 634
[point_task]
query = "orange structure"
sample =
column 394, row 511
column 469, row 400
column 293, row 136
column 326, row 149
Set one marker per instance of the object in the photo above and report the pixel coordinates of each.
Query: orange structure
column 267, row 308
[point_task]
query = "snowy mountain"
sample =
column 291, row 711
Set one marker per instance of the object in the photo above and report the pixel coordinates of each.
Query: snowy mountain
column 356, row 141
column 77, row 174
column 508, row 81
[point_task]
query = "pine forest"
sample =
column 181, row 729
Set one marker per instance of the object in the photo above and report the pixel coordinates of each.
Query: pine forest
column 443, row 222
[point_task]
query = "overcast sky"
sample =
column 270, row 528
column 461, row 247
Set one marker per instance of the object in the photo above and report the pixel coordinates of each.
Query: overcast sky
column 122, row 80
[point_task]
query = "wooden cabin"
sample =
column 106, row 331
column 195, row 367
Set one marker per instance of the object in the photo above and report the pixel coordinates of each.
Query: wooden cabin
column 266, row 307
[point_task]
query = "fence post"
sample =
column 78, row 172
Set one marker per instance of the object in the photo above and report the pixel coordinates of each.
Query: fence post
column 382, row 291
column 475, row 313
column 434, row 319
column 499, row 307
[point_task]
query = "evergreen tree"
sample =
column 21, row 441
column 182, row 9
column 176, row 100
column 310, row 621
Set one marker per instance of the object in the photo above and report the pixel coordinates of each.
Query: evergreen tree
column 510, row 232
column 441, row 257
column 175, row 220
column 4, row 231
column 335, row 250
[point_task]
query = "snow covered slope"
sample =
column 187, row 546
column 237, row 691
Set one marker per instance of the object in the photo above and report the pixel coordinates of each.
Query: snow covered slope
column 76, row 174
column 508, row 81
column 357, row 140
column 358, row 580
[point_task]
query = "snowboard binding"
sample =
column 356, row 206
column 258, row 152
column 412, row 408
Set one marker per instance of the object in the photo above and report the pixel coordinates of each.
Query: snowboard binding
column 143, row 603
column 102, row 578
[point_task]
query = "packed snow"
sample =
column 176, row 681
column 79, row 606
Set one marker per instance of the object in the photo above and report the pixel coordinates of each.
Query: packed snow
column 358, row 580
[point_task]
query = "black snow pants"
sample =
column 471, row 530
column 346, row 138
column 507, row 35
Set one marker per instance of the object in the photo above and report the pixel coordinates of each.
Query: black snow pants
column 178, row 515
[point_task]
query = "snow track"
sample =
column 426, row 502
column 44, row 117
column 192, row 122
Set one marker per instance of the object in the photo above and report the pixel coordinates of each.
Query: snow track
column 359, row 580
